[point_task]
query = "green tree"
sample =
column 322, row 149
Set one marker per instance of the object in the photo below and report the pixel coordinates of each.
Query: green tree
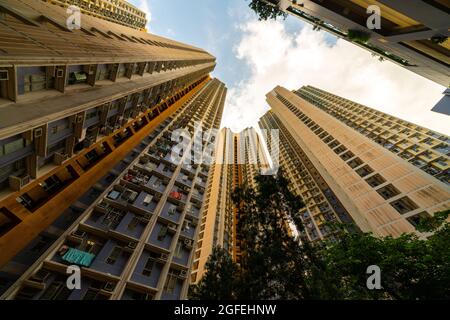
column 267, row 9
column 278, row 265
column 411, row 268
column 275, row 263
column 218, row 281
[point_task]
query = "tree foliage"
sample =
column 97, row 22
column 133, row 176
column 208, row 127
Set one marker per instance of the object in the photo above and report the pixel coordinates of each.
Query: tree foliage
column 278, row 265
column 411, row 268
column 218, row 281
column 267, row 9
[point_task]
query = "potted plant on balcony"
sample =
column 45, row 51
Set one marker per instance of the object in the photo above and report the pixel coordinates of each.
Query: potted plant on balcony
column 356, row 35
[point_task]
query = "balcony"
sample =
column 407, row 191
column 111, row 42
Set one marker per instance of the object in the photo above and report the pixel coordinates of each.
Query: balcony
column 136, row 177
column 132, row 225
column 200, row 182
column 162, row 235
column 174, row 283
column 177, row 195
column 146, row 202
column 185, row 179
column 156, row 184
column 47, row 284
column 443, row 148
column 417, row 162
column 80, row 248
column 113, row 257
column 188, row 227
column 146, row 164
column 149, row 268
column 183, row 251
column 193, row 210
column 121, row 196
column 171, row 212
column 165, row 170
column 197, row 196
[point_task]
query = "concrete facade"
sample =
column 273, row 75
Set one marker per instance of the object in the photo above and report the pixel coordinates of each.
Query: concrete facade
column 141, row 229
column 381, row 191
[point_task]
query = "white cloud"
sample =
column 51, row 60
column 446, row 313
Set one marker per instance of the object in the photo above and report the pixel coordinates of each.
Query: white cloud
column 277, row 57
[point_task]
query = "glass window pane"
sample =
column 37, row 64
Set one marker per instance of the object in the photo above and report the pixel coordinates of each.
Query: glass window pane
column 14, row 146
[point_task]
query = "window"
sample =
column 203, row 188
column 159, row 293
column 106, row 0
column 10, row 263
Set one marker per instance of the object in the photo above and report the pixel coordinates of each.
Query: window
column 416, row 219
column 133, row 223
column 375, row 180
column 428, row 141
column 364, row 171
column 162, row 233
column 26, row 293
column 90, row 246
column 388, row 191
column 347, row 155
column 355, row 163
column 442, row 148
column 147, row 271
column 91, row 115
column 56, row 291
column 169, row 286
column 334, row 144
column 141, row 296
column 340, row 149
column 178, row 250
column 14, row 146
column 442, row 162
column 404, row 205
column 4, row 75
column 93, row 294
column 116, row 251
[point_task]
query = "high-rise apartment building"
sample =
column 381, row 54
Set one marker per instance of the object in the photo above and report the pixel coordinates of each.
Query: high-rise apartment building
column 240, row 157
column 117, row 11
column 137, row 239
column 413, row 34
column 78, row 110
column 321, row 204
column 358, row 165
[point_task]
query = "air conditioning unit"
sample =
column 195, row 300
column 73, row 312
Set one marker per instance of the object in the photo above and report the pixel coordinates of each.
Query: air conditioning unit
column 109, row 286
column 145, row 218
column 147, row 200
column 4, row 75
column 38, row 132
column 164, row 257
column 188, row 243
column 78, row 234
column 172, row 227
column 59, row 158
column 183, row 274
column 132, row 245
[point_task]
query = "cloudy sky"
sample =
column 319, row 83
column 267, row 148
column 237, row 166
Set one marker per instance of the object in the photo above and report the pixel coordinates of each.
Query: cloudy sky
column 253, row 57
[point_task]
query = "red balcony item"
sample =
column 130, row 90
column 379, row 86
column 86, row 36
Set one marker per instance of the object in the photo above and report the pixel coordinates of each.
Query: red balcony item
column 128, row 177
column 176, row 195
